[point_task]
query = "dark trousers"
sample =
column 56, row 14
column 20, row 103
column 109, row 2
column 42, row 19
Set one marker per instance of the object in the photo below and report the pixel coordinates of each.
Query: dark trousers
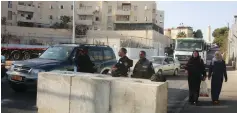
column 216, row 86
column 194, row 88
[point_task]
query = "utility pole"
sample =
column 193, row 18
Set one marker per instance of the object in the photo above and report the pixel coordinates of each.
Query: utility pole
column 73, row 23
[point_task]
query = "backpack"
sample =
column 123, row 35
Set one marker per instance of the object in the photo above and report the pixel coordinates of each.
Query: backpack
column 158, row 77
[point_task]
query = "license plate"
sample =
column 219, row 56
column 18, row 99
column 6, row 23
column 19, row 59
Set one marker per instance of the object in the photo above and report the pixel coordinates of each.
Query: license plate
column 17, row 78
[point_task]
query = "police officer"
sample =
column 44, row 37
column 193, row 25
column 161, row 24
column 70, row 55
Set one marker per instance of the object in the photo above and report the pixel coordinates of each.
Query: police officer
column 143, row 68
column 122, row 67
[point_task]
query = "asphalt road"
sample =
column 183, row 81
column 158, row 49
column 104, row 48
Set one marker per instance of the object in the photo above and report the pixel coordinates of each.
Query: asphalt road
column 12, row 102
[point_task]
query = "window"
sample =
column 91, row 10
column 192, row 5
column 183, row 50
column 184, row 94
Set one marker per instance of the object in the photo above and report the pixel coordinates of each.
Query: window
column 109, row 18
column 95, row 28
column 160, row 15
column 95, row 54
column 146, row 19
column 108, row 54
column 109, row 28
column 166, row 61
column 9, row 17
column 38, row 6
column 145, row 8
column 135, row 18
column 170, row 61
column 109, row 9
column 22, row 15
column 96, row 18
column 135, row 8
column 82, row 17
column 9, row 4
column 61, row 6
column 50, row 17
column 71, row 7
column 50, row 6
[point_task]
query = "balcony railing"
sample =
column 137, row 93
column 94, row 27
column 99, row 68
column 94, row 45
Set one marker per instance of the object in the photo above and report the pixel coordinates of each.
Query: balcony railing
column 24, row 19
column 84, row 22
column 85, row 11
column 25, row 8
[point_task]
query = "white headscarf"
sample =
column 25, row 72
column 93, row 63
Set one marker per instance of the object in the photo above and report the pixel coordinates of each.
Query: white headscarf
column 217, row 57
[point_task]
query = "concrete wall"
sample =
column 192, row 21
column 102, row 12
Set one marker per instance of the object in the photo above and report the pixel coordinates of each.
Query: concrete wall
column 68, row 92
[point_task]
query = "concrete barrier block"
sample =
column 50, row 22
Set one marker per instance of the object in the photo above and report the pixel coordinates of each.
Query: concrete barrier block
column 53, row 93
column 89, row 95
column 138, row 96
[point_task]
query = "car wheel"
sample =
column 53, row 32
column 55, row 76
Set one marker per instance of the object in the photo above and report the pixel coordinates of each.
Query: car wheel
column 175, row 72
column 106, row 72
column 18, row 87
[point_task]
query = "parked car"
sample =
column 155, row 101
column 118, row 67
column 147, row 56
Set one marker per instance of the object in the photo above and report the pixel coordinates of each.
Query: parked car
column 165, row 65
column 23, row 74
column 3, row 64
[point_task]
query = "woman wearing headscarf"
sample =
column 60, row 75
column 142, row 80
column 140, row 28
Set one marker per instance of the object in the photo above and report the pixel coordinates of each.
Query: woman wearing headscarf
column 196, row 72
column 217, row 71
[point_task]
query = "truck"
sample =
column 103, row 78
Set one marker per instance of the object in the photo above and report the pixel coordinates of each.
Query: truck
column 184, row 48
column 21, row 51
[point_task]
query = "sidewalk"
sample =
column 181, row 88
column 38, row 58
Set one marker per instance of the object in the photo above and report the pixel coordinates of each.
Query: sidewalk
column 228, row 99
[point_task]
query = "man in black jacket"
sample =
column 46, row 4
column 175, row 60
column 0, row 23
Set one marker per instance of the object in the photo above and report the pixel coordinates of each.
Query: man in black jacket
column 122, row 67
column 84, row 63
column 143, row 68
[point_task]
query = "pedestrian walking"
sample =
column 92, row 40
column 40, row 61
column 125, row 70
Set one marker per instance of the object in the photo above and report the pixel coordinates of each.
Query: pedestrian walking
column 217, row 72
column 143, row 68
column 121, row 68
column 196, row 72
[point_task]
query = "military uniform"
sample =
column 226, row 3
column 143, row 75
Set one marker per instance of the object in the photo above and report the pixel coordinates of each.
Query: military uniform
column 122, row 66
column 143, row 69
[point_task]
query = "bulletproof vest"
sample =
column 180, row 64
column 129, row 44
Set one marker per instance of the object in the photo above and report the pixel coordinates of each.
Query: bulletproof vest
column 142, row 69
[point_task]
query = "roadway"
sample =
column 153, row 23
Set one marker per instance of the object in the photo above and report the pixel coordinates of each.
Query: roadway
column 26, row 102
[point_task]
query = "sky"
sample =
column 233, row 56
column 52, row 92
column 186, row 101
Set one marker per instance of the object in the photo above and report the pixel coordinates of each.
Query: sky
column 198, row 14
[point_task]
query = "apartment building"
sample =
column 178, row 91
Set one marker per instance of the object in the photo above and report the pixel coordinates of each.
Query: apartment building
column 97, row 15
column 232, row 43
column 173, row 32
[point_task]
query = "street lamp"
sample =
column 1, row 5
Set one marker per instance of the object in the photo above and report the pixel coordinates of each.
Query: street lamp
column 73, row 23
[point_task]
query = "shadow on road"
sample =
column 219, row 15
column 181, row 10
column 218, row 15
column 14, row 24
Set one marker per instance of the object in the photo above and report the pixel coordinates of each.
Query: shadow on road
column 12, row 100
column 226, row 106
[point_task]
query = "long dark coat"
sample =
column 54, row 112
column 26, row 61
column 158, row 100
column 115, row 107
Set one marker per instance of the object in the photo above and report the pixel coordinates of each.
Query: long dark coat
column 196, row 72
column 217, row 71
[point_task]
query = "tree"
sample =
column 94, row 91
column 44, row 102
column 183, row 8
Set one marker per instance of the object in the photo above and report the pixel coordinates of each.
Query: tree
column 221, row 37
column 198, row 34
column 3, row 20
column 81, row 29
column 181, row 35
column 64, row 21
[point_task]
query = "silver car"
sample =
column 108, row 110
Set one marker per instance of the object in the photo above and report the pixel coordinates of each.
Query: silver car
column 165, row 65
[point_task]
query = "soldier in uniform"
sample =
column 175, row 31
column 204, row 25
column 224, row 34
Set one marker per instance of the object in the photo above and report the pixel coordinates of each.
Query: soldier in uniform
column 143, row 68
column 122, row 67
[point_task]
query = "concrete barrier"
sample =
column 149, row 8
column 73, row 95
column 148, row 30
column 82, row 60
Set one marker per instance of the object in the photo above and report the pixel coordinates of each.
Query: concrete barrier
column 66, row 92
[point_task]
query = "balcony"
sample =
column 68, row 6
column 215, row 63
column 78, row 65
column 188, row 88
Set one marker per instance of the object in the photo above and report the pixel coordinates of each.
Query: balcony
column 25, row 8
column 85, row 12
column 123, row 12
column 84, row 22
column 24, row 19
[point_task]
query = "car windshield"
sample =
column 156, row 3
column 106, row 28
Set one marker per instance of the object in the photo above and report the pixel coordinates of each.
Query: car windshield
column 57, row 53
column 189, row 45
column 157, row 60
